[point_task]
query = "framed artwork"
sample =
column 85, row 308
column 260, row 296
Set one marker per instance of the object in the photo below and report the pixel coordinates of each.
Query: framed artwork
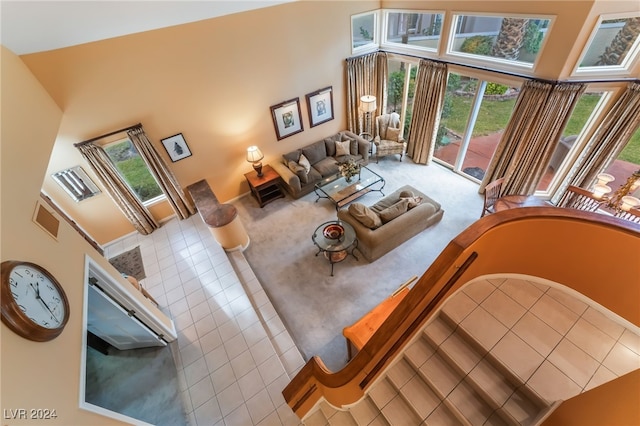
column 320, row 106
column 176, row 147
column 286, row 118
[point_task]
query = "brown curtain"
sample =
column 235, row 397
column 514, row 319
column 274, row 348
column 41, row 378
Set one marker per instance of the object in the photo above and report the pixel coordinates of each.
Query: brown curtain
column 532, row 134
column 609, row 140
column 165, row 178
column 366, row 75
column 431, row 87
column 118, row 190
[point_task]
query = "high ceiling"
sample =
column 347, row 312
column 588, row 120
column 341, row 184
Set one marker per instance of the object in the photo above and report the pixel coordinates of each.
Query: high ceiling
column 36, row 26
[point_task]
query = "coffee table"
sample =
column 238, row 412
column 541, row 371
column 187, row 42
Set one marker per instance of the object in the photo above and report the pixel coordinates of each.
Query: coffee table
column 335, row 249
column 341, row 192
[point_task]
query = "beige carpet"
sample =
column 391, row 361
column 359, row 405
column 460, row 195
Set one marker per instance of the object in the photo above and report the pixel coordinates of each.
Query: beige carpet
column 314, row 306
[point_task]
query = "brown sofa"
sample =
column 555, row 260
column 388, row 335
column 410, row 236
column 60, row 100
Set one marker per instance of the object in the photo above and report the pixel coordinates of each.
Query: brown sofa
column 322, row 158
column 375, row 241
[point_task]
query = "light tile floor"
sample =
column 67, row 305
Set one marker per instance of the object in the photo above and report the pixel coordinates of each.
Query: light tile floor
column 235, row 355
column 555, row 340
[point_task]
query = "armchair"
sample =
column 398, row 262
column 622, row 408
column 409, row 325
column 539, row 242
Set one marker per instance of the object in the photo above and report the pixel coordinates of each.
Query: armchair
column 387, row 136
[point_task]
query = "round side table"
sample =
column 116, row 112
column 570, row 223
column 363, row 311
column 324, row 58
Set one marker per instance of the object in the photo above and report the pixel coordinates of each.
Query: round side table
column 335, row 249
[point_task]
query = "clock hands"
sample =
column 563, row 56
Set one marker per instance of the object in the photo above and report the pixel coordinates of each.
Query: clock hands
column 37, row 290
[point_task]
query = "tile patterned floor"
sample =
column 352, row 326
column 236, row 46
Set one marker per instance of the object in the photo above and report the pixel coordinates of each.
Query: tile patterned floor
column 557, row 341
column 235, row 356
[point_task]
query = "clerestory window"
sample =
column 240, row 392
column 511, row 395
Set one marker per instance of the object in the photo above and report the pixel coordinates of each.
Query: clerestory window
column 510, row 40
column 612, row 47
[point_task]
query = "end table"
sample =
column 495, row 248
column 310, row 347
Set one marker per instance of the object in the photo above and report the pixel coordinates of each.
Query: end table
column 265, row 188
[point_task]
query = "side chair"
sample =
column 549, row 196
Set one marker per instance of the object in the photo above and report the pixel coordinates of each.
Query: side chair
column 491, row 194
column 387, row 136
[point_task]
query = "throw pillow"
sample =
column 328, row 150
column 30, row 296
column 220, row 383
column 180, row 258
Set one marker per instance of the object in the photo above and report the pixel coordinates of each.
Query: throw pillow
column 299, row 171
column 393, row 134
column 315, row 152
column 304, row 163
column 291, row 156
column 414, row 201
column 343, row 148
column 406, row 194
column 394, row 211
column 330, row 145
column 365, row 215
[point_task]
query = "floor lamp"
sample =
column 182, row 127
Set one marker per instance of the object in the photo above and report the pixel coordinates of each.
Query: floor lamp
column 367, row 106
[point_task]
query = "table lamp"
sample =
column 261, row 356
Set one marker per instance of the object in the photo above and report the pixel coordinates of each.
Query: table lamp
column 254, row 155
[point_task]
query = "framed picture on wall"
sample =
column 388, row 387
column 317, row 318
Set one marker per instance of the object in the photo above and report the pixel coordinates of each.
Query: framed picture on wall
column 320, row 106
column 286, row 118
column 176, row 147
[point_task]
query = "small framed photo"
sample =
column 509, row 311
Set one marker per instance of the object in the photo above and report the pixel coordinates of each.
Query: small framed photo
column 176, row 147
column 286, row 118
column 320, row 106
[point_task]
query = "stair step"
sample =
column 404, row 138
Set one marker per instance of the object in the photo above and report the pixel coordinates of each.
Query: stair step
column 365, row 412
column 398, row 413
column 382, row 392
column 507, row 374
column 500, row 390
column 342, row 418
column 470, row 404
column 316, row 418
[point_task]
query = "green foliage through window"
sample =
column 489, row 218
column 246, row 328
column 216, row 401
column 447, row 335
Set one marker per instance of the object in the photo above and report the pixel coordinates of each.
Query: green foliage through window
column 480, row 45
column 133, row 170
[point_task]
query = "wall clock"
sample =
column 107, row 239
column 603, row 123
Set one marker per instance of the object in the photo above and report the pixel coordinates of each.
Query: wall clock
column 33, row 302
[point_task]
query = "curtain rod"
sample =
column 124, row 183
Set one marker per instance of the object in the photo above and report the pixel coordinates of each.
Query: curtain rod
column 107, row 134
column 512, row 74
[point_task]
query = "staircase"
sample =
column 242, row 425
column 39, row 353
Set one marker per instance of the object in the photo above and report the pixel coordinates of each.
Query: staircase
column 443, row 377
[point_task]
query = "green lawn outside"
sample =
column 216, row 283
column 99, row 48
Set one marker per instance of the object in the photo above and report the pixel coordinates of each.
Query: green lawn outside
column 494, row 116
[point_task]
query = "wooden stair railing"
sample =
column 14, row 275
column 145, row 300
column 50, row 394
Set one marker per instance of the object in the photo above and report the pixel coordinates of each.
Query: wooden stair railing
column 474, row 253
column 579, row 198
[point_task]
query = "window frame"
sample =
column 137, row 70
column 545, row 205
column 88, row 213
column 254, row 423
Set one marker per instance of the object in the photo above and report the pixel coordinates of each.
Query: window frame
column 607, row 70
column 500, row 63
column 409, row 48
column 155, row 200
column 375, row 43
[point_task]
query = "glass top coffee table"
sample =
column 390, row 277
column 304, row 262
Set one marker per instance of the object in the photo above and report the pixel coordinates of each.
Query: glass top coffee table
column 341, row 192
column 336, row 240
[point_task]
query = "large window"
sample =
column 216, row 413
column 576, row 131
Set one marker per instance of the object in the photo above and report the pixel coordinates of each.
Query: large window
column 514, row 40
column 401, row 89
column 613, row 46
column 578, row 123
column 134, row 171
column 473, row 119
column 627, row 162
column 418, row 30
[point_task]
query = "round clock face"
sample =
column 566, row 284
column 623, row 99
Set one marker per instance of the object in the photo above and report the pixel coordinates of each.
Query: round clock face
column 34, row 304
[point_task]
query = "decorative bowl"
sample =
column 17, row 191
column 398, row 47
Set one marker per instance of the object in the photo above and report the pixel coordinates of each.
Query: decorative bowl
column 333, row 231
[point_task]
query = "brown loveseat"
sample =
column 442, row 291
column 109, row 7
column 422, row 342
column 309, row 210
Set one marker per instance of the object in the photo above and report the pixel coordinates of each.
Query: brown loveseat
column 375, row 237
column 321, row 158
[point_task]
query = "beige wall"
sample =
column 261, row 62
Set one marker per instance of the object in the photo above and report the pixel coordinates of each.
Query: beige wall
column 213, row 81
column 38, row 375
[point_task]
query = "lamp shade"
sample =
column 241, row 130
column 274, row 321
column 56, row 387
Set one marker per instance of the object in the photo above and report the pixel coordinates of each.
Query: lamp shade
column 254, row 154
column 599, row 190
column 605, row 178
column 629, row 202
column 368, row 103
